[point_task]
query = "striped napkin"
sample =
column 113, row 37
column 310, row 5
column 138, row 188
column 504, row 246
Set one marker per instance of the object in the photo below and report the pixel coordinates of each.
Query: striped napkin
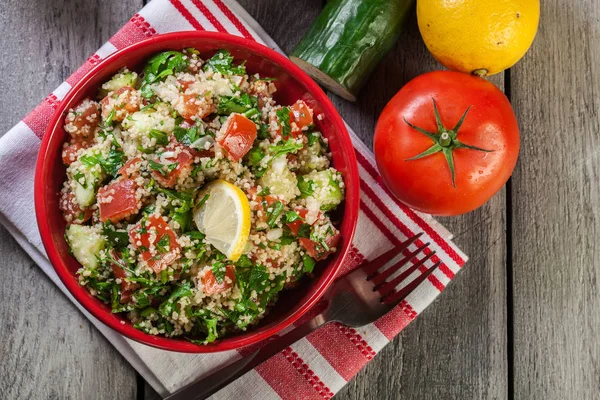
column 314, row 367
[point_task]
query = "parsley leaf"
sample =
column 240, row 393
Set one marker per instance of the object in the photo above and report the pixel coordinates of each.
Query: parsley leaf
column 160, row 136
column 283, row 115
column 188, row 136
column 211, row 329
column 164, row 64
column 164, row 244
column 164, row 170
column 115, row 237
column 113, row 161
column 233, row 104
column 255, row 156
column 306, row 186
column 265, row 192
column 167, row 307
column 304, row 231
column 222, row 62
column 309, row 263
column 292, row 216
column 219, row 269
column 276, row 210
column 312, row 138
column 259, row 279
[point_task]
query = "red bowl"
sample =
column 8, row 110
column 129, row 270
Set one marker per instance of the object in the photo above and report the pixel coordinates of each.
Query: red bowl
column 292, row 84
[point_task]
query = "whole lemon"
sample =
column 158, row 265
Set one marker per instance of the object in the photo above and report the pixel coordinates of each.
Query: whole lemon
column 483, row 37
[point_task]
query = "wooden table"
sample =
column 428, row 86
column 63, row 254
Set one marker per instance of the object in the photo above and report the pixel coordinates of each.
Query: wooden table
column 521, row 321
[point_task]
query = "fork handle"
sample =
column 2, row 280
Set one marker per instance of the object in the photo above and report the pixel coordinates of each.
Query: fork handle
column 221, row 378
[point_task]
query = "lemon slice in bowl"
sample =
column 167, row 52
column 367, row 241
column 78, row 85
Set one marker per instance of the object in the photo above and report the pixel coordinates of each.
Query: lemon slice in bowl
column 224, row 217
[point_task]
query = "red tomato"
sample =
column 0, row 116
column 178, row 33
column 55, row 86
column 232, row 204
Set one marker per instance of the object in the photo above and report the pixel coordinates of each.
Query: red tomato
column 184, row 160
column 128, row 165
column 126, row 287
column 126, row 98
column 302, row 114
column 239, row 136
column 426, row 183
column 158, row 254
column 83, row 119
column 193, row 106
column 295, row 226
column 118, row 200
column 261, row 202
column 70, row 149
column 211, row 286
column 72, row 211
column 316, row 250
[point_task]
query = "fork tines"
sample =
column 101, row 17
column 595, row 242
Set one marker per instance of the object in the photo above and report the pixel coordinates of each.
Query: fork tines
column 388, row 289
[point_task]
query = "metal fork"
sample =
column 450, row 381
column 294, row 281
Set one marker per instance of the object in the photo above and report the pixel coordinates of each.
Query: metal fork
column 355, row 300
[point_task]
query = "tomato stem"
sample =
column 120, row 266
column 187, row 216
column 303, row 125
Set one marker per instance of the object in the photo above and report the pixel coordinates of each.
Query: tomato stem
column 444, row 140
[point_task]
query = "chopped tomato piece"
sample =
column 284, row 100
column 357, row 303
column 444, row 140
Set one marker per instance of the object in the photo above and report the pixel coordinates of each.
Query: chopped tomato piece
column 317, row 250
column 126, row 287
column 211, row 286
column 295, row 225
column 239, row 136
column 118, row 200
column 302, row 114
column 83, row 119
column 124, row 101
column 72, row 211
column 184, row 84
column 300, row 117
column 128, row 170
column 183, row 160
column 314, row 249
column 71, row 148
column 156, row 242
column 195, row 106
column 261, row 202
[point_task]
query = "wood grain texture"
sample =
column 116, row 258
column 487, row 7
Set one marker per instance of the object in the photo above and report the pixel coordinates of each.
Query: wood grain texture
column 457, row 348
column 556, row 197
column 48, row 349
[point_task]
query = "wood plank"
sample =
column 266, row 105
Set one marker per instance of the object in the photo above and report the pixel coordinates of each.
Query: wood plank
column 556, row 197
column 457, row 348
column 49, row 349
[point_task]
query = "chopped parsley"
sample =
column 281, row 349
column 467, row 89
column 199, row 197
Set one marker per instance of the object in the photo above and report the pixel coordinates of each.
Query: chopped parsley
column 283, row 115
column 306, row 187
column 276, row 210
column 164, row 244
column 222, row 62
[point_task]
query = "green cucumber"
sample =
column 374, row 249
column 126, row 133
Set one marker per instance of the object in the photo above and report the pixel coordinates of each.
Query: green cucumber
column 347, row 41
column 85, row 242
column 326, row 188
column 120, row 80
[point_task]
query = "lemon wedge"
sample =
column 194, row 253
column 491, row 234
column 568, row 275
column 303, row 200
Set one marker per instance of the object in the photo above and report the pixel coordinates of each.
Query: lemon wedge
column 224, row 217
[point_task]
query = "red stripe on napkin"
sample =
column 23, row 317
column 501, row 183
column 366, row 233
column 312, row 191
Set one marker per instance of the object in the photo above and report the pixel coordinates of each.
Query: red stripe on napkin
column 338, row 350
column 187, row 15
column 136, row 29
column 234, row 20
column 288, row 377
column 397, row 319
column 209, row 16
column 40, row 117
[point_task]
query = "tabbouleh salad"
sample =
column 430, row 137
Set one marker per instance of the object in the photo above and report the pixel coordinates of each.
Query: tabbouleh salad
column 192, row 199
